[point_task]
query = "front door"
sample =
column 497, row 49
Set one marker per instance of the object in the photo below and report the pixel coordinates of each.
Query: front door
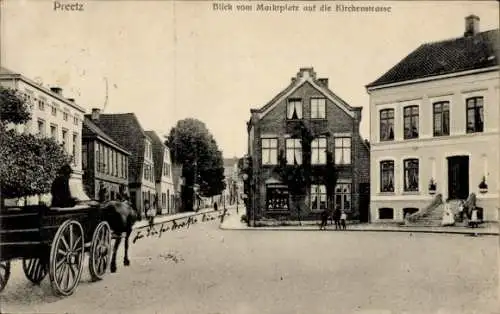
column 458, row 177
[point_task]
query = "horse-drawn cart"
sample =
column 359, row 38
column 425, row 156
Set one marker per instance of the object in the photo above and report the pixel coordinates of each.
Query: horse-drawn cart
column 54, row 241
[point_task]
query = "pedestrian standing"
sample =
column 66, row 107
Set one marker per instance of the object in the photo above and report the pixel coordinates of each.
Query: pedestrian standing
column 215, row 206
column 343, row 218
column 474, row 221
column 336, row 217
column 324, row 220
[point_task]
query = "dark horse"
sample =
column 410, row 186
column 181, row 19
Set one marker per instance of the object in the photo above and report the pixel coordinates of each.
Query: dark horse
column 121, row 216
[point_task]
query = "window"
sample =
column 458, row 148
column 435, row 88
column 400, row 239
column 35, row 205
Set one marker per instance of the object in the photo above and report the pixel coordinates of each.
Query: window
column 318, row 108
column 411, row 175
column 318, row 197
column 53, row 131
column 387, row 176
column 277, row 198
column 163, row 200
column 105, row 161
column 410, row 122
column 41, row 105
column 343, row 151
column 441, row 113
column 343, row 196
column 166, row 169
column 65, row 116
column 293, row 151
column 318, row 151
column 75, row 120
column 84, row 157
column 475, row 119
column 98, row 156
column 294, row 109
column 65, row 139
column 269, row 151
column 41, row 127
column 385, row 213
column 54, row 111
column 387, row 125
column 74, row 150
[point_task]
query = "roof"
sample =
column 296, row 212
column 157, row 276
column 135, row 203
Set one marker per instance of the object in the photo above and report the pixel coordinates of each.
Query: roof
column 446, row 57
column 158, row 151
column 9, row 74
column 89, row 129
column 305, row 76
column 125, row 129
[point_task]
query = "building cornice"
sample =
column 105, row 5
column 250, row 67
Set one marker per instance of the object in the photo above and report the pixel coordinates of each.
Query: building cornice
column 432, row 78
column 17, row 76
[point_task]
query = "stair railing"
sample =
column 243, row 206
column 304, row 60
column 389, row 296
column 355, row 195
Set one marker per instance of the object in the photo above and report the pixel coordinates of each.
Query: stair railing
column 435, row 203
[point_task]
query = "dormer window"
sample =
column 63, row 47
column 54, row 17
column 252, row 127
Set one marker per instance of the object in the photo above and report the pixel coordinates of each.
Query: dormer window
column 294, row 109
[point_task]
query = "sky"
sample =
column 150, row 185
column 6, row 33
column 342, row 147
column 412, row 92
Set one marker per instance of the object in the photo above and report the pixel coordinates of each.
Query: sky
column 170, row 60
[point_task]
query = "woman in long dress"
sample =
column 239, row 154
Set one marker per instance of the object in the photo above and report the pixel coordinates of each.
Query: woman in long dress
column 448, row 219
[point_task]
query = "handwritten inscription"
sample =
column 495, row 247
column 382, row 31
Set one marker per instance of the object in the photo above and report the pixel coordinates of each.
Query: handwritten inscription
column 182, row 223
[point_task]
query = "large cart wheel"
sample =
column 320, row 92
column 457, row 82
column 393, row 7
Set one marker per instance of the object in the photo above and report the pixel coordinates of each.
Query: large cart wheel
column 35, row 269
column 100, row 251
column 4, row 274
column 66, row 258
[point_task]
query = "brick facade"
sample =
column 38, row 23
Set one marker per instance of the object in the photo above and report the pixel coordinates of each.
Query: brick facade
column 340, row 120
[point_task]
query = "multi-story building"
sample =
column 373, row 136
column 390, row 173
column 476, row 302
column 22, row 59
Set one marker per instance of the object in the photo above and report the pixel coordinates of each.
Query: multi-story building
column 126, row 130
column 163, row 175
column 308, row 100
column 104, row 162
column 52, row 115
column 435, row 126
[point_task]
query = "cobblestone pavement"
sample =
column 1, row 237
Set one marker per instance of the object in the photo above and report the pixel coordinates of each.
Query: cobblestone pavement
column 202, row 269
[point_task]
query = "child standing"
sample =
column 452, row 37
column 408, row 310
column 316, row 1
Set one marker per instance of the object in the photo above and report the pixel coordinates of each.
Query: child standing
column 343, row 218
column 473, row 218
column 149, row 211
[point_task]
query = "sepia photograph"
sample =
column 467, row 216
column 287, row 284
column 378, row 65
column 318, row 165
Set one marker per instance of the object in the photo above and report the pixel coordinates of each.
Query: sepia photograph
column 249, row 157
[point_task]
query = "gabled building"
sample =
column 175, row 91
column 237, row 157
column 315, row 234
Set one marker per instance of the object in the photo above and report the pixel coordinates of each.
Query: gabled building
column 307, row 100
column 126, row 130
column 104, row 163
column 163, row 175
column 52, row 115
column 435, row 126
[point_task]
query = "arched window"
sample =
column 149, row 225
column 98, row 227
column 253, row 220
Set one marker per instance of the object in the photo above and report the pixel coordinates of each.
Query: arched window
column 411, row 175
column 409, row 211
column 387, row 176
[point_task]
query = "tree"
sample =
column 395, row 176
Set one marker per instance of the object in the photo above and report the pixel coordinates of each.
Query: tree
column 28, row 164
column 194, row 147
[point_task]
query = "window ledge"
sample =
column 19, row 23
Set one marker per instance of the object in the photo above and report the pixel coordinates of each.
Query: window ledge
column 411, row 193
column 386, row 194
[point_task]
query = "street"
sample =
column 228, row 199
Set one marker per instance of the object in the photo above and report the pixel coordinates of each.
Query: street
column 202, row 269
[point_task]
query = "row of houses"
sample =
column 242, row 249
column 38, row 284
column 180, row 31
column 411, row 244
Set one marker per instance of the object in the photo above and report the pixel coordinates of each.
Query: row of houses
column 434, row 130
column 109, row 151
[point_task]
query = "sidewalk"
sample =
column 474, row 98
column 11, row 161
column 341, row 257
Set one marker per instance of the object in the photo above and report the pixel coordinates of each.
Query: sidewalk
column 233, row 222
column 166, row 218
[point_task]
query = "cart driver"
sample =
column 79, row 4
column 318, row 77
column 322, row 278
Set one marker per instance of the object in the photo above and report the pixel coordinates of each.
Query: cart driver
column 61, row 195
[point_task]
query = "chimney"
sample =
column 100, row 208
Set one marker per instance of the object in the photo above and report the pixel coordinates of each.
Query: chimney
column 95, row 114
column 71, row 99
column 293, row 80
column 56, row 90
column 323, row 81
column 471, row 25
